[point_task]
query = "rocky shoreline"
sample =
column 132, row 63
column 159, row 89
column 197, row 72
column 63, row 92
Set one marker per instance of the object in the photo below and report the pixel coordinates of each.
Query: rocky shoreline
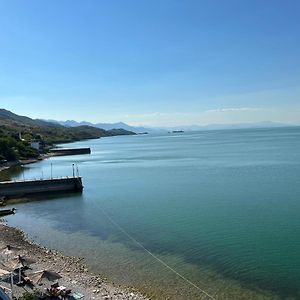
column 75, row 274
column 9, row 164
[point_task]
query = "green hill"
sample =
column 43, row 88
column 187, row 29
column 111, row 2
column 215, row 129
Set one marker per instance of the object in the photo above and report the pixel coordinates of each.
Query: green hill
column 16, row 132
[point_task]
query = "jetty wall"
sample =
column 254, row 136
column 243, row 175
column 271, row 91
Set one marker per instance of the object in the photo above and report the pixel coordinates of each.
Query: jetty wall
column 30, row 187
column 70, row 151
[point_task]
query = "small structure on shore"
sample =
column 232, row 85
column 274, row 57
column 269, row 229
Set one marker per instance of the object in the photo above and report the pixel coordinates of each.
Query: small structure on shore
column 38, row 145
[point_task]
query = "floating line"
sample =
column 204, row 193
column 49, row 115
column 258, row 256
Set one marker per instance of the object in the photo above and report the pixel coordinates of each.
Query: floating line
column 155, row 257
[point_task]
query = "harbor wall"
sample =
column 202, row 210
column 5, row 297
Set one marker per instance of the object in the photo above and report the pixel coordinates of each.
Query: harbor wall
column 30, row 187
column 70, row 151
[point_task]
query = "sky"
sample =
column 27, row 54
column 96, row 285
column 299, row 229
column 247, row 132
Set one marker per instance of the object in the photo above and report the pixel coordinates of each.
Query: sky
column 155, row 63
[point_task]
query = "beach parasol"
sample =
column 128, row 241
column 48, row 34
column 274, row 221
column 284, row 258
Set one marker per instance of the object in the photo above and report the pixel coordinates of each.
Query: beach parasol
column 45, row 275
column 5, row 267
column 9, row 250
column 19, row 262
column 4, row 272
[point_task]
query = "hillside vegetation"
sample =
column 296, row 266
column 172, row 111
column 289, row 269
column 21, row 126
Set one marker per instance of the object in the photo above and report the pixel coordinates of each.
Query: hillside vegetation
column 17, row 131
column 12, row 149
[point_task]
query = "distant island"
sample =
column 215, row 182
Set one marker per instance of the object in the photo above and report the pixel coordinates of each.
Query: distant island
column 23, row 138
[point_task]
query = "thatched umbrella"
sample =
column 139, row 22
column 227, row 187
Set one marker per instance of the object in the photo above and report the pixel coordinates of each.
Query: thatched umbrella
column 4, row 270
column 41, row 276
column 19, row 262
column 9, row 250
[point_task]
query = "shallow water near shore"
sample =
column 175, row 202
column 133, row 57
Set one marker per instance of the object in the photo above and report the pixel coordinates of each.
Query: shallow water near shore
column 219, row 207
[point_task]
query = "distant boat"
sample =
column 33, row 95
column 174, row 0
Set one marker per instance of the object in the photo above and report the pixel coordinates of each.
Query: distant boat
column 177, row 131
column 6, row 212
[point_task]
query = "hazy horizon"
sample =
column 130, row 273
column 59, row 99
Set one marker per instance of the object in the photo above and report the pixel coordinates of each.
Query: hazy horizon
column 187, row 125
column 266, row 123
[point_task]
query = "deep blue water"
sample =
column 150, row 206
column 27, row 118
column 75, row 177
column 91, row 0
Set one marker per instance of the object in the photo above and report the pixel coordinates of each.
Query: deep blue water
column 220, row 207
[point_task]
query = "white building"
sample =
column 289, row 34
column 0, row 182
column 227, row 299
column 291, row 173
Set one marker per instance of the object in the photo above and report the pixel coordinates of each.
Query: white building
column 35, row 145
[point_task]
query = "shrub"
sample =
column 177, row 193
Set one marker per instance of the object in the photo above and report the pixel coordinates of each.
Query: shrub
column 27, row 296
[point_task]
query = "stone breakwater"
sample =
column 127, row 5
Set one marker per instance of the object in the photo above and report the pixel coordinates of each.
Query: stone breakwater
column 70, row 151
column 75, row 274
column 39, row 186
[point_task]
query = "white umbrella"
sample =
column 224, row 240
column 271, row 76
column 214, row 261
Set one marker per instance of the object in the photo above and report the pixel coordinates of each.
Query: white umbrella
column 5, row 267
column 19, row 262
column 4, row 272
column 9, row 250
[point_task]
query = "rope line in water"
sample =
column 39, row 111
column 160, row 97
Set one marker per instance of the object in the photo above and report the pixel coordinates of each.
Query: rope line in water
column 155, row 257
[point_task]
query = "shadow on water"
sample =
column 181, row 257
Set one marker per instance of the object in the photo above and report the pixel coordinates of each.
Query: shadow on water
column 10, row 173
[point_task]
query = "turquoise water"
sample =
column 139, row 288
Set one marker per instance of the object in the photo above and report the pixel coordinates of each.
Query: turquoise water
column 220, row 207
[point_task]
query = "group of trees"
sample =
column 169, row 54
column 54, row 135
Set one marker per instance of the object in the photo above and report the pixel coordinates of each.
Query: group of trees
column 11, row 148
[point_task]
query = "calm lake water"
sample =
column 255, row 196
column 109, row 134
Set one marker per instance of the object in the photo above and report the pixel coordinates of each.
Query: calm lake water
column 219, row 207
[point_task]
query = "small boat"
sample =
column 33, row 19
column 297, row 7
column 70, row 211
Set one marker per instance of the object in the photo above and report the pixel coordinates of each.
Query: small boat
column 6, row 212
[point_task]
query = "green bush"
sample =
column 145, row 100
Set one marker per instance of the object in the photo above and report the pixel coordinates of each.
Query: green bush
column 7, row 150
column 27, row 296
column 12, row 149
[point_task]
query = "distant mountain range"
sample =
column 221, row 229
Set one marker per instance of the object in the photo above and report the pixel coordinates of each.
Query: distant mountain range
column 106, row 126
column 13, row 124
column 141, row 129
column 18, row 132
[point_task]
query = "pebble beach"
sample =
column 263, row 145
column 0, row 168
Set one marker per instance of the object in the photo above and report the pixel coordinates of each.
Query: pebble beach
column 75, row 274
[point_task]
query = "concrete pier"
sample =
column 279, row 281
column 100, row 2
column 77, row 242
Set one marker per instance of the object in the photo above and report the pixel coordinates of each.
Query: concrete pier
column 11, row 189
column 70, row 151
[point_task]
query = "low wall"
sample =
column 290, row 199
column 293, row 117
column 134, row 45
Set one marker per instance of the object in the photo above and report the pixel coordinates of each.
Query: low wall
column 69, row 151
column 22, row 188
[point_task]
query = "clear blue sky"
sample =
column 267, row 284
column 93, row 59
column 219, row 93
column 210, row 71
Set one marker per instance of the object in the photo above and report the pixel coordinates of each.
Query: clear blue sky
column 163, row 62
